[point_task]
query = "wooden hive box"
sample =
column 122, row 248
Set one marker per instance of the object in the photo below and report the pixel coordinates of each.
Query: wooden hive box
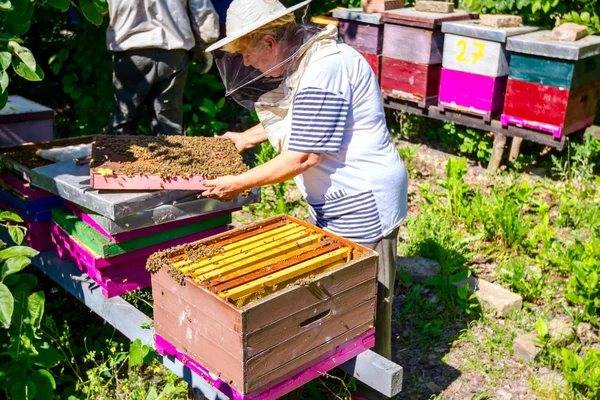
column 475, row 67
column 412, row 53
column 364, row 32
column 553, row 86
column 24, row 121
column 281, row 299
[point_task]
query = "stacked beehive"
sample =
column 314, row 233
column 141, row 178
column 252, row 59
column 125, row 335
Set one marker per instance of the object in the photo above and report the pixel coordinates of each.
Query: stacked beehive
column 263, row 309
column 364, row 32
column 412, row 51
column 475, row 64
column 553, row 84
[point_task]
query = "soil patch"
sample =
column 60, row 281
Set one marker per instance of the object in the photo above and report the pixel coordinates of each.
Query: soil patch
column 167, row 156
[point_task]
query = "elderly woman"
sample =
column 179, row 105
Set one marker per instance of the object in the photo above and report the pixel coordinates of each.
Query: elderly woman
column 320, row 106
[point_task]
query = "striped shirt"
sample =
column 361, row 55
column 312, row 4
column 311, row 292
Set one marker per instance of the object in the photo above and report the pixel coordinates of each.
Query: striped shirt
column 359, row 188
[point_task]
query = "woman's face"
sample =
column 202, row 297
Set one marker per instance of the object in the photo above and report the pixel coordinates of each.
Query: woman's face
column 264, row 56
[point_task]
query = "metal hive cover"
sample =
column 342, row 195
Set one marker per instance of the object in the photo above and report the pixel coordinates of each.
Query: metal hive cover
column 539, row 44
column 475, row 30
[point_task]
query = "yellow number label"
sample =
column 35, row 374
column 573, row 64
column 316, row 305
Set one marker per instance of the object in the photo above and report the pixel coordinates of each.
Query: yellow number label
column 462, row 45
column 461, row 56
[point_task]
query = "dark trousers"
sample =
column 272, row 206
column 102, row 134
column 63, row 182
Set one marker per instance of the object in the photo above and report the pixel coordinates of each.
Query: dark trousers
column 154, row 78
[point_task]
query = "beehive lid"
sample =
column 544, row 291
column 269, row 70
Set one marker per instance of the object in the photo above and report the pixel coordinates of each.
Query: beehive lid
column 357, row 14
column 475, row 30
column 412, row 17
column 539, row 44
column 20, row 109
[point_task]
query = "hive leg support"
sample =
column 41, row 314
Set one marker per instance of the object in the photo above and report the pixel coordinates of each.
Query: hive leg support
column 375, row 371
column 497, row 151
column 515, row 148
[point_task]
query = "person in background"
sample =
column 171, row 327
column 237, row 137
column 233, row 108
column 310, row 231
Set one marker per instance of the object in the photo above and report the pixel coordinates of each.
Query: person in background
column 152, row 43
column 320, row 106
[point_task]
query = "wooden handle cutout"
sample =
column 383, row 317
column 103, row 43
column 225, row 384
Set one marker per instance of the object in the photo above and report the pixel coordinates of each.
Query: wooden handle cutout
column 314, row 318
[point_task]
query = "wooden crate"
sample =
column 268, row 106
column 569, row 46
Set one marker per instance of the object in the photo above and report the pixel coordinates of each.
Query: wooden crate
column 24, row 121
column 364, row 37
column 475, row 56
column 550, row 109
column 412, row 44
column 283, row 297
column 375, row 63
column 472, row 93
column 567, row 74
column 377, row 6
column 410, row 81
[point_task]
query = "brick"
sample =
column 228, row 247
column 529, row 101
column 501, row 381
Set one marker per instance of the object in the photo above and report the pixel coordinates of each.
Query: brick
column 569, row 32
column 500, row 20
column 419, row 268
column 441, row 7
column 377, row 6
column 493, row 297
column 525, row 348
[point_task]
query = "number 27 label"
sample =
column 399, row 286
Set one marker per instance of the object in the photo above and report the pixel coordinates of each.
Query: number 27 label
column 462, row 45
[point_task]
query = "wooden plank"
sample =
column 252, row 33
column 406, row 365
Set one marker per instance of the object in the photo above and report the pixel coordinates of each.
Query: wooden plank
column 475, row 56
column 104, row 248
column 474, row 122
column 250, row 234
column 264, row 311
column 289, row 327
column 23, row 186
column 22, row 208
column 476, row 94
column 412, row 17
column 375, row 63
column 542, row 70
column 582, row 106
column 417, row 81
column 363, row 37
column 533, row 102
column 275, row 264
column 284, row 275
column 256, row 255
column 298, row 363
column 312, row 336
column 413, row 44
column 145, row 182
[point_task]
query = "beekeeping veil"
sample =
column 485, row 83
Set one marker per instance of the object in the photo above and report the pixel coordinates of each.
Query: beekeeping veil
column 269, row 92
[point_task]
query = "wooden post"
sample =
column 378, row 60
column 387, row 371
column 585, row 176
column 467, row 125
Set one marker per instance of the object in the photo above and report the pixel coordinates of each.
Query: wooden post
column 497, row 151
column 515, row 148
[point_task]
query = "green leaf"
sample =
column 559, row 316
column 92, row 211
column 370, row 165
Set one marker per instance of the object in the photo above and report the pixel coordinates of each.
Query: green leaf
column 18, row 321
column 460, row 276
column 90, row 12
column 541, row 328
column 35, row 307
column 44, row 384
column 15, row 251
column 29, row 279
column 17, row 233
column 62, row 5
column 152, row 394
column 25, row 17
column 13, row 265
column 47, row 356
column 23, row 390
column 585, row 17
column 3, row 80
column 22, row 70
column 5, row 57
column 23, row 53
column 137, row 352
column 3, row 99
column 5, row 5
column 7, row 306
column 10, row 216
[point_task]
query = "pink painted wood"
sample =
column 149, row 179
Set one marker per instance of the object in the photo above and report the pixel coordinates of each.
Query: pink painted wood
column 472, row 93
column 326, row 363
column 145, row 182
column 131, row 257
column 137, row 233
column 556, row 131
column 24, row 187
column 38, row 233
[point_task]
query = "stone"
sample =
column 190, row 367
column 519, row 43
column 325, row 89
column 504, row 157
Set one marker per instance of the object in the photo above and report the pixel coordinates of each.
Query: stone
column 441, row 7
column 493, row 297
column 377, row 6
column 525, row 348
column 569, row 32
column 585, row 333
column 504, row 394
column 419, row 268
column 500, row 20
column 560, row 331
column 548, row 378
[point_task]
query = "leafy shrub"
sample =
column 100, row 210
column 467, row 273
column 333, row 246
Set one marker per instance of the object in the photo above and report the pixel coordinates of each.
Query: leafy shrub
column 524, row 279
column 584, row 285
column 583, row 373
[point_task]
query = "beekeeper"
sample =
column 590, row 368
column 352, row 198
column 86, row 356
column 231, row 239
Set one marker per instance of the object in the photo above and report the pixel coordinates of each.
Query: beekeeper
column 320, row 106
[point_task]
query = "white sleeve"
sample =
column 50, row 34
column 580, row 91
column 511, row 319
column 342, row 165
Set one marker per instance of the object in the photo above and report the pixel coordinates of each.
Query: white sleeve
column 205, row 21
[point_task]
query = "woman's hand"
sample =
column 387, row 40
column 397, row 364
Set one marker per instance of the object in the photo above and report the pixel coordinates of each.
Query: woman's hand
column 238, row 140
column 223, row 188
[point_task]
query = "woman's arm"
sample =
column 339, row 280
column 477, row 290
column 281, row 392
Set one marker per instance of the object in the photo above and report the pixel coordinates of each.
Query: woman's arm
column 281, row 168
column 247, row 139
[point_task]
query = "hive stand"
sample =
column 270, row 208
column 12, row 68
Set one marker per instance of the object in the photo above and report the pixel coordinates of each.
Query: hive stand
column 501, row 133
column 368, row 367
